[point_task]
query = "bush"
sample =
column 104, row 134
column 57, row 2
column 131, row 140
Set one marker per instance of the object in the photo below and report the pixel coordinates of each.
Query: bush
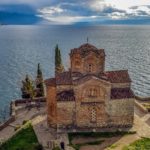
column 24, row 122
column 141, row 144
column 56, row 148
column 17, row 127
column 38, row 147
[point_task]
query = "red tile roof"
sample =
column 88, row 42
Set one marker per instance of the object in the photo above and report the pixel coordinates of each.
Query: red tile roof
column 84, row 49
column 120, row 93
column 50, row 82
column 66, row 96
column 119, row 76
column 64, row 78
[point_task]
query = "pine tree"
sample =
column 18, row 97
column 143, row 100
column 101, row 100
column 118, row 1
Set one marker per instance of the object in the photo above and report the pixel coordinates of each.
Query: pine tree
column 28, row 88
column 58, row 61
column 39, row 82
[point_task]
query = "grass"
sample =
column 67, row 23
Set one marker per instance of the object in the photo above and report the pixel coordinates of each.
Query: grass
column 24, row 139
column 113, row 146
column 142, row 144
column 56, row 148
column 147, row 106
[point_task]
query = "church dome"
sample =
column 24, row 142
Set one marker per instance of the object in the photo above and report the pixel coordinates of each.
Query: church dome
column 84, row 49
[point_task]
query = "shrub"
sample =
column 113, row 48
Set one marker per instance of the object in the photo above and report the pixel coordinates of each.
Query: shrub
column 17, row 127
column 24, row 122
column 56, row 148
column 38, row 147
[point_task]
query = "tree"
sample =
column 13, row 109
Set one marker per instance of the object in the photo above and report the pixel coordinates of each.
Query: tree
column 58, row 61
column 28, row 90
column 39, row 82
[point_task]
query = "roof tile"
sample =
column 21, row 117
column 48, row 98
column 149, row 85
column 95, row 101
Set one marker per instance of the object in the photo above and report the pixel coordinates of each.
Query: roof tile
column 120, row 93
column 119, row 76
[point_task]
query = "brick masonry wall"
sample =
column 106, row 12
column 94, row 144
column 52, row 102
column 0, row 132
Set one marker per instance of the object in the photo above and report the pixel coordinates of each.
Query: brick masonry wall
column 51, row 106
column 79, row 64
column 65, row 113
column 85, row 104
column 121, row 111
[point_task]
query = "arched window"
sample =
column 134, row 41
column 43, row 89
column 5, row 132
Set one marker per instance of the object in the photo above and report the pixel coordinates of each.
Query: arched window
column 93, row 114
column 90, row 67
column 92, row 92
column 95, row 92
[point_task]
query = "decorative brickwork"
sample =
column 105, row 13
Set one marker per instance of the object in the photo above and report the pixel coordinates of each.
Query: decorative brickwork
column 88, row 97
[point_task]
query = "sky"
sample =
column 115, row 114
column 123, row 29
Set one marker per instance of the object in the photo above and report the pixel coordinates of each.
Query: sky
column 75, row 11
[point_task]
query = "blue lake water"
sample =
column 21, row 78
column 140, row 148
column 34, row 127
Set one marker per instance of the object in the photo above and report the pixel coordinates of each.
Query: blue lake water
column 23, row 47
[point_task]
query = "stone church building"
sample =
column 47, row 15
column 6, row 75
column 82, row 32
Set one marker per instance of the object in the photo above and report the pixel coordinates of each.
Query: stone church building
column 88, row 97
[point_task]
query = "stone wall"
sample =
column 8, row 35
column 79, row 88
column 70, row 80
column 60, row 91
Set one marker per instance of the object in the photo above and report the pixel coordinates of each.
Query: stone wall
column 121, row 112
column 65, row 113
column 6, row 123
column 90, row 109
column 51, row 106
column 61, row 88
column 86, row 118
column 80, row 64
column 121, row 85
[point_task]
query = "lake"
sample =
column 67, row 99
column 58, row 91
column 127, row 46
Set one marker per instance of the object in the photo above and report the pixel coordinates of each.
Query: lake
column 23, row 47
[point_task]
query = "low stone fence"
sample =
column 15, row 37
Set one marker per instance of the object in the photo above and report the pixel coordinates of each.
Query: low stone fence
column 24, row 101
column 6, row 123
column 13, row 109
column 22, row 104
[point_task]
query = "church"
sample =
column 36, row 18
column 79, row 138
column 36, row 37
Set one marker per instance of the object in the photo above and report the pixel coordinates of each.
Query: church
column 86, row 97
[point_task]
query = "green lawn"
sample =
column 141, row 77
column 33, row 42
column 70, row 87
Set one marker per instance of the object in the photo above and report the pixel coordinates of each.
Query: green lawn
column 142, row 144
column 25, row 139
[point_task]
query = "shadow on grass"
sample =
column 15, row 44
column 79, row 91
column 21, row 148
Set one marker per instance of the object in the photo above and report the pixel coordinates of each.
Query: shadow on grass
column 98, row 138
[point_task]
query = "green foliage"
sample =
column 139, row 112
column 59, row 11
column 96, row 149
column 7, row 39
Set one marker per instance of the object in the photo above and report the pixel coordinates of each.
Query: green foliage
column 25, row 139
column 58, row 61
column 39, row 72
column 113, row 146
column 38, row 146
column 39, row 82
column 28, row 88
column 24, row 122
column 17, row 127
column 142, row 144
column 56, row 148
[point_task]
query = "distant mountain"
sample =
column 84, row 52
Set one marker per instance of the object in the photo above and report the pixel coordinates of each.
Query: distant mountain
column 133, row 21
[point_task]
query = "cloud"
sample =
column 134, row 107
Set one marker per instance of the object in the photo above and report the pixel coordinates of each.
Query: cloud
column 133, row 12
column 78, row 11
column 73, row 11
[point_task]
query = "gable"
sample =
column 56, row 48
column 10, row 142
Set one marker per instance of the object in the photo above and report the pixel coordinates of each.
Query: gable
column 91, row 79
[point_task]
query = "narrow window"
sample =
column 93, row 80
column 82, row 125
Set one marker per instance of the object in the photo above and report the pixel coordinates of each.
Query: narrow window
column 93, row 114
column 90, row 68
